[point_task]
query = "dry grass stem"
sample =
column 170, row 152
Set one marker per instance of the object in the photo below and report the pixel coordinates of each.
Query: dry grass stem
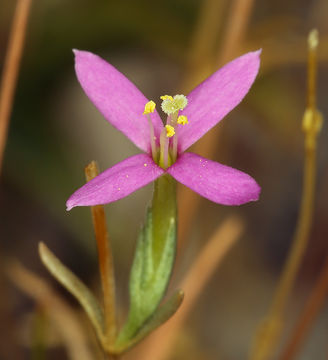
column 309, row 314
column 269, row 333
column 236, row 29
column 58, row 311
column 10, row 69
column 105, row 257
column 38, row 333
column 279, row 53
column 234, row 34
column 203, row 43
column 160, row 344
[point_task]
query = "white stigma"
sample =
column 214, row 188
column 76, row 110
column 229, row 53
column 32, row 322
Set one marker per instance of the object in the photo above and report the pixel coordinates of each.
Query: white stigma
column 173, row 105
column 181, row 101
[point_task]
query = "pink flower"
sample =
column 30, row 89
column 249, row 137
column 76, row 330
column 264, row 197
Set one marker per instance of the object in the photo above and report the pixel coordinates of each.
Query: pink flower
column 189, row 118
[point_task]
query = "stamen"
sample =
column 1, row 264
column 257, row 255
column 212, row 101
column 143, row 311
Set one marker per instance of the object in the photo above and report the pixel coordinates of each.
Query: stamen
column 175, row 146
column 166, row 97
column 172, row 119
column 182, row 120
column 149, row 107
column 164, row 149
column 171, row 106
column 169, row 130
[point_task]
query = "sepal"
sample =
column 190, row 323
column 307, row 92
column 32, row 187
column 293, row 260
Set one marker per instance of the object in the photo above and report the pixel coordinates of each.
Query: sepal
column 154, row 259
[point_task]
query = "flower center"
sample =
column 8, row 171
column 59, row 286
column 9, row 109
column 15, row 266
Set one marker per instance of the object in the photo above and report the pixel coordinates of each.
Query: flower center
column 167, row 152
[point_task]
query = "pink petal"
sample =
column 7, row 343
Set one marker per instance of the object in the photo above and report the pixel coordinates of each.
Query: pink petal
column 213, row 99
column 116, row 182
column 120, row 101
column 219, row 183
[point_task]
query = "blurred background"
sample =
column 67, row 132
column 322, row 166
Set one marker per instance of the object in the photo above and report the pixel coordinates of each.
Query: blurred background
column 164, row 47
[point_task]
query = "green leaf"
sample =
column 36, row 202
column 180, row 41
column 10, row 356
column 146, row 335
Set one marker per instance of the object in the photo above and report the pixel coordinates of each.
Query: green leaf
column 76, row 287
column 154, row 258
column 161, row 315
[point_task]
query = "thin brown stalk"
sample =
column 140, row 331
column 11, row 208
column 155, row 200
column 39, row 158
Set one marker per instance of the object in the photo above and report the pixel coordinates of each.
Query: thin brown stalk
column 269, row 333
column 160, row 344
column 312, row 308
column 203, row 43
column 11, row 67
column 58, row 311
column 38, row 336
column 236, row 29
column 106, row 264
column 238, row 20
column 199, row 66
column 279, row 53
column 312, row 70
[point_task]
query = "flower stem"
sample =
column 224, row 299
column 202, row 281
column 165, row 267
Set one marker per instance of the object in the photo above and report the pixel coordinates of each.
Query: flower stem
column 269, row 334
column 106, row 265
column 10, row 69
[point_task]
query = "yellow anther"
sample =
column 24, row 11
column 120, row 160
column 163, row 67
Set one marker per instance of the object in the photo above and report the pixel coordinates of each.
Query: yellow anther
column 182, row 120
column 166, row 97
column 169, row 130
column 149, row 107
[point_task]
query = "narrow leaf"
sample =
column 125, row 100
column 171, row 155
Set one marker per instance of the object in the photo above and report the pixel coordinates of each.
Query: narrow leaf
column 161, row 315
column 76, row 287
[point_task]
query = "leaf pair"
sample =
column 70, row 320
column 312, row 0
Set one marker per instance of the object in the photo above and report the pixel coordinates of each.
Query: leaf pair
column 150, row 274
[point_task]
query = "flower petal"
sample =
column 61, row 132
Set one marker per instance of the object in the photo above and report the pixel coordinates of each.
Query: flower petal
column 214, row 98
column 120, row 101
column 219, row 183
column 116, row 182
